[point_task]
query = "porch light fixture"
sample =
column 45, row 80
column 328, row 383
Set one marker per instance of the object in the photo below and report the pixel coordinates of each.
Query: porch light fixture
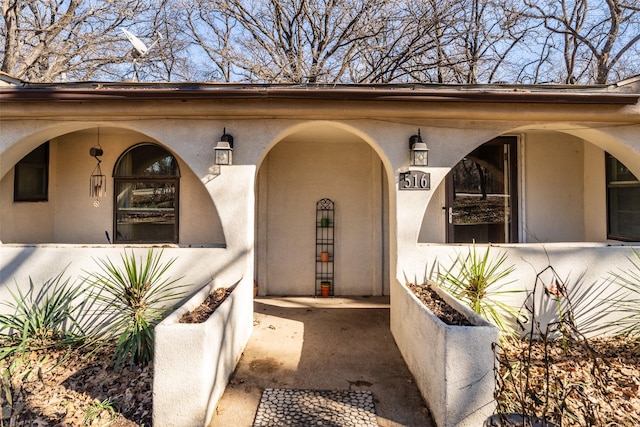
column 418, row 151
column 97, row 181
column 224, row 149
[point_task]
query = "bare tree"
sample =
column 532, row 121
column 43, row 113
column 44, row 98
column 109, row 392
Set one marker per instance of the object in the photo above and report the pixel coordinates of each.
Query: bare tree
column 211, row 31
column 49, row 40
column 44, row 39
column 293, row 41
column 443, row 41
column 404, row 49
column 486, row 41
column 170, row 60
column 594, row 36
column 323, row 41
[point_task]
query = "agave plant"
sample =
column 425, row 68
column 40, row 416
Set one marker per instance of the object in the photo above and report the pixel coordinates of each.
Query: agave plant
column 43, row 317
column 627, row 300
column 134, row 298
column 479, row 281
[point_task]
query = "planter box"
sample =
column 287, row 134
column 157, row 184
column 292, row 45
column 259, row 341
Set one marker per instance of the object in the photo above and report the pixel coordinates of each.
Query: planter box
column 452, row 365
column 194, row 361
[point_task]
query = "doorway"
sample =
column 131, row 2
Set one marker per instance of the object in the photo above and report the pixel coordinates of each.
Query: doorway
column 319, row 162
column 481, row 201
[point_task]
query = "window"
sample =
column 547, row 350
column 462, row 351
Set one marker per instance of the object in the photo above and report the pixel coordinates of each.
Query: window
column 623, row 202
column 31, row 179
column 146, row 182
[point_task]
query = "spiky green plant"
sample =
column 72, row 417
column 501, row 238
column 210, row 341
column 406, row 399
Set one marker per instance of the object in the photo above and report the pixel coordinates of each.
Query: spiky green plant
column 96, row 409
column 43, row 317
column 627, row 301
column 14, row 374
column 134, row 298
column 478, row 281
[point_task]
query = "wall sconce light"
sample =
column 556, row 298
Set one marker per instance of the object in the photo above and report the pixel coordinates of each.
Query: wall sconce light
column 224, row 149
column 97, row 181
column 418, row 151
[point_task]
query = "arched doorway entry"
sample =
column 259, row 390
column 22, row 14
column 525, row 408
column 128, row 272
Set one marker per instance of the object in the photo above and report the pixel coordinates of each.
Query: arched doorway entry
column 321, row 161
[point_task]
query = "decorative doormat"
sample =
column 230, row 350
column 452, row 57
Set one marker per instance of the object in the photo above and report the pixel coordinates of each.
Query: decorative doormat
column 281, row 407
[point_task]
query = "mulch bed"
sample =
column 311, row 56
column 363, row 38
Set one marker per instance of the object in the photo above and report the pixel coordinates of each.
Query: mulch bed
column 590, row 383
column 438, row 306
column 204, row 310
column 576, row 382
column 58, row 387
column 61, row 386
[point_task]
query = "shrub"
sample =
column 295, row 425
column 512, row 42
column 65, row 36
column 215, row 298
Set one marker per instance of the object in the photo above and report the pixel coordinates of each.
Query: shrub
column 475, row 280
column 96, row 410
column 627, row 301
column 134, row 299
column 43, row 318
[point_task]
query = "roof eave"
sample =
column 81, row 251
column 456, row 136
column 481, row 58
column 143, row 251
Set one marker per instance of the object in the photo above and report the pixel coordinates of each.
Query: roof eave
column 561, row 95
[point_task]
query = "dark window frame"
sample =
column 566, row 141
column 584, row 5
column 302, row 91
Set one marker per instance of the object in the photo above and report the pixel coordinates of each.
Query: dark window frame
column 513, row 142
column 612, row 185
column 34, row 161
column 146, row 179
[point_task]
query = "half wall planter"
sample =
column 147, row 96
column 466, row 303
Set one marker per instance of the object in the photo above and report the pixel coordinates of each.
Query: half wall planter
column 194, row 361
column 452, row 365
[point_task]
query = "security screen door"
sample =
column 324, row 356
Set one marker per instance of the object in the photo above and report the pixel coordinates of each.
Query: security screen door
column 482, row 195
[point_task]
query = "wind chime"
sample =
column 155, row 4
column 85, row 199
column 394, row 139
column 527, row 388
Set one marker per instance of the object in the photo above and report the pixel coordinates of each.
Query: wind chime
column 97, row 181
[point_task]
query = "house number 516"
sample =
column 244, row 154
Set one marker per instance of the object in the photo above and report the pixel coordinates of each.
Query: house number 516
column 415, row 180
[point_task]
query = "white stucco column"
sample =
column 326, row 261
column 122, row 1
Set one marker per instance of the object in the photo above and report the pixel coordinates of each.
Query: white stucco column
column 232, row 190
column 410, row 208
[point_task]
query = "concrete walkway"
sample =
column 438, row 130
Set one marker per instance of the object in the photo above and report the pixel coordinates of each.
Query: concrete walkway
column 323, row 344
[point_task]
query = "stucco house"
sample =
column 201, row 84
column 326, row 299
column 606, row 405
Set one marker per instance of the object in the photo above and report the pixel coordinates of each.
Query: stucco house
column 547, row 173
column 318, row 190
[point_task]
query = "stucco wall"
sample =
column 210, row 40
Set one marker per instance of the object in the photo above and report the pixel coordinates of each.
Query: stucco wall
column 563, row 184
column 585, row 268
column 595, row 194
column 434, row 222
column 70, row 217
column 297, row 173
column 41, row 215
column 195, row 266
column 190, row 130
column 553, row 188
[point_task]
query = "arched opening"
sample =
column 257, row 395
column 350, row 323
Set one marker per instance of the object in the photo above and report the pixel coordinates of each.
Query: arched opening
column 561, row 188
column 322, row 161
column 70, row 215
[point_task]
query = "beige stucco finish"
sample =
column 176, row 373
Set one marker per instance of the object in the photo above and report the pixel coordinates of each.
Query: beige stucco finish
column 69, row 216
column 206, row 354
column 452, row 365
column 290, row 153
column 255, row 218
column 298, row 172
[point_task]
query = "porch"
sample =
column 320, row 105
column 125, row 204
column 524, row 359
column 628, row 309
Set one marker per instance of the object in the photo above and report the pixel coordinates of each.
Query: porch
column 323, row 344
